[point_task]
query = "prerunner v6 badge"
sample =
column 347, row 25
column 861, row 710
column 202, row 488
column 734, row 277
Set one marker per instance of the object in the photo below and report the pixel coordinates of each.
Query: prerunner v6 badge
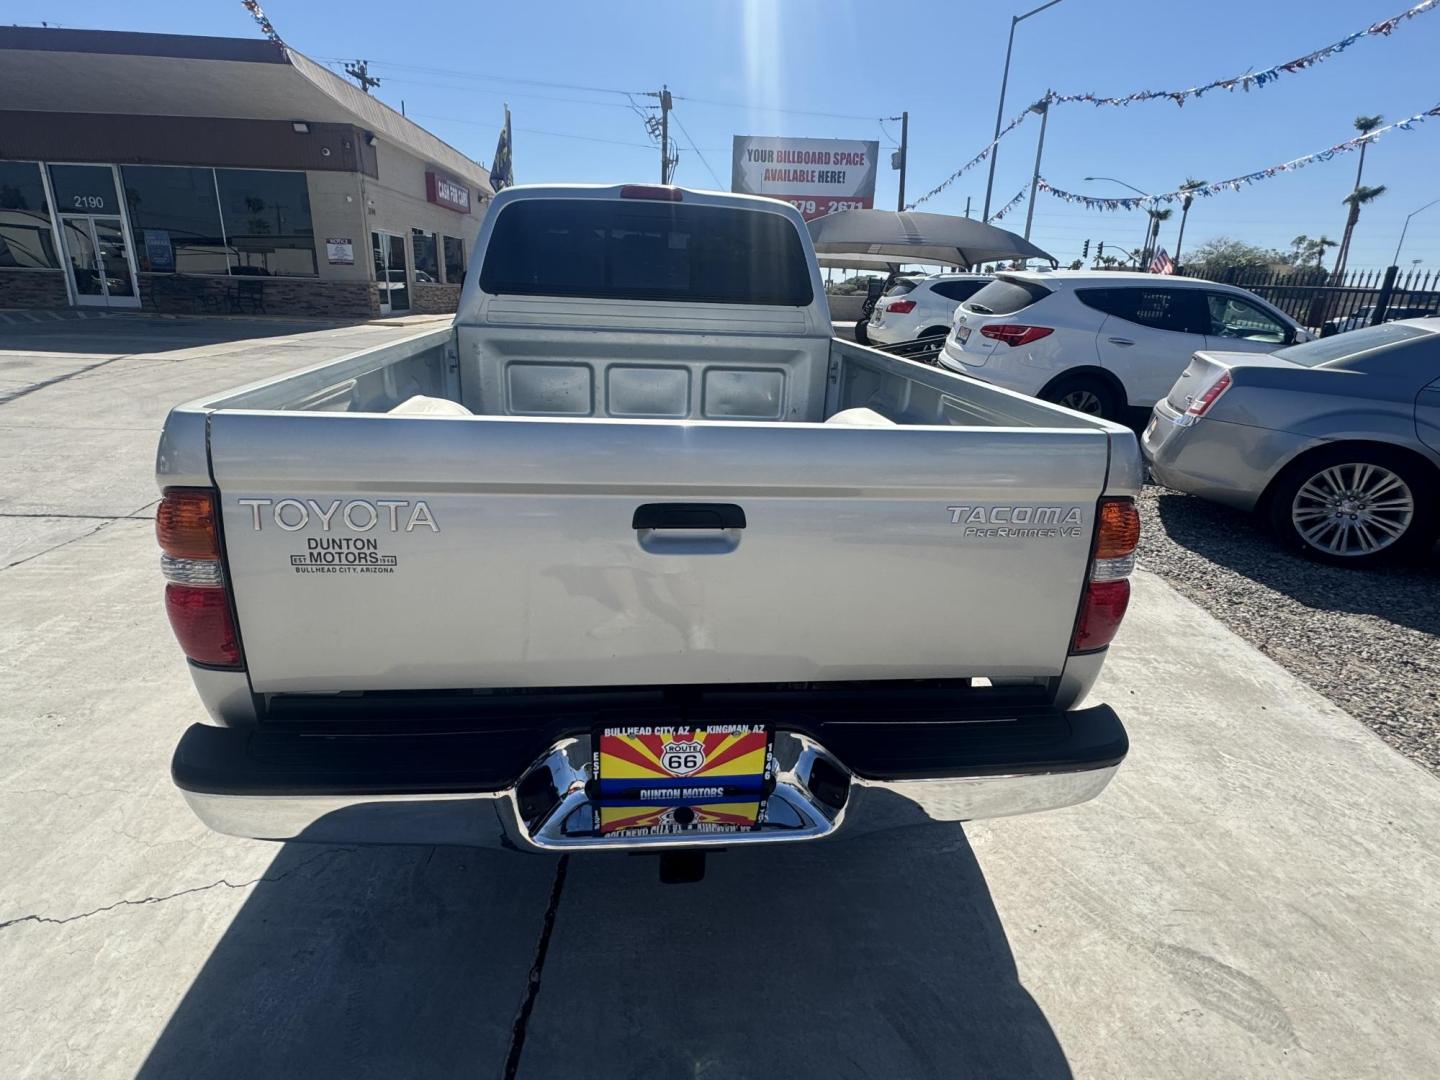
column 347, row 554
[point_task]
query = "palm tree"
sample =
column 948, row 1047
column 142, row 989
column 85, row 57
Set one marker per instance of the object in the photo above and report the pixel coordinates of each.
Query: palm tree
column 1356, row 199
column 1153, row 235
column 1304, row 248
column 1188, row 187
column 1364, row 125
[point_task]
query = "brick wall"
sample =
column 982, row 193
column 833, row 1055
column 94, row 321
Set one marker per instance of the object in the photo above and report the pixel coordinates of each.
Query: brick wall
column 193, row 294
column 33, row 289
column 434, row 299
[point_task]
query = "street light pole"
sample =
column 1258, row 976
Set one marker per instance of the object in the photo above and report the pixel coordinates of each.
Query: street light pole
column 1406, row 228
column 1149, row 221
column 1015, row 20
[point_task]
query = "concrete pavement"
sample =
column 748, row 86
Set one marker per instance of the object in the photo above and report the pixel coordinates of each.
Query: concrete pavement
column 1258, row 893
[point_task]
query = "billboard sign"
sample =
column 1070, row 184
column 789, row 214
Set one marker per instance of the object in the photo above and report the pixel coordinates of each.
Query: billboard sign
column 816, row 176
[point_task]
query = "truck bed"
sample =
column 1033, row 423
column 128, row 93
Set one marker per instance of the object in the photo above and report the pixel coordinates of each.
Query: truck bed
column 526, row 568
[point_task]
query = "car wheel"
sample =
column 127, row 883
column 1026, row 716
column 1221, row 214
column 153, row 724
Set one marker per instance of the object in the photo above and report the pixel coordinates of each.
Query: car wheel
column 1084, row 394
column 862, row 335
column 1354, row 507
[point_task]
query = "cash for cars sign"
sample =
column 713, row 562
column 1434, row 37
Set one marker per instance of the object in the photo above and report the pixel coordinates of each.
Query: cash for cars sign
column 816, row 176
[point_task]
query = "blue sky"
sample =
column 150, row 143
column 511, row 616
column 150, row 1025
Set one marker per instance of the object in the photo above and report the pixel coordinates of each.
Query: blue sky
column 731, row 63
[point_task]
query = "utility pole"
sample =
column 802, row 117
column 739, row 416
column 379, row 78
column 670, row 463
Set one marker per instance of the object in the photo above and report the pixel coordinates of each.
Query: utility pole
column 904, row 155
column 967, row 206
column 665, row 162
column 1043, row 108
column 360, row 72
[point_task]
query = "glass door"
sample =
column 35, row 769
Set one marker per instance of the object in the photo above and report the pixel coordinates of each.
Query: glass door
column 98, row 261
column 388, row 250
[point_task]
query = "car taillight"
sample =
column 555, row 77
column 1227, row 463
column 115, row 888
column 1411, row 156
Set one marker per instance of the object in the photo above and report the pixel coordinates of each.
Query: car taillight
column 1015, row 333
column 900, row 307
column 1200, row 405
column 1107, row 592
column 196, row 597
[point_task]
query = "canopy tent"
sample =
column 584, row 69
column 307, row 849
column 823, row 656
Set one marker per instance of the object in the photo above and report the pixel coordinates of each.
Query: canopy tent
column 909, row 237
column 881, row 263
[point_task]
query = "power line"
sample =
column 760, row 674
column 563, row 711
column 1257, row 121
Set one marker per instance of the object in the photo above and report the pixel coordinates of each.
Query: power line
column 536, row 131
column 493, row 78
column 507, row 94
column 771, row 108
column 720, row 186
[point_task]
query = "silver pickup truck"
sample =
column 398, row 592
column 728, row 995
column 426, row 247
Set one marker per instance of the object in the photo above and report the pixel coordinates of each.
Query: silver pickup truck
column 638, row 555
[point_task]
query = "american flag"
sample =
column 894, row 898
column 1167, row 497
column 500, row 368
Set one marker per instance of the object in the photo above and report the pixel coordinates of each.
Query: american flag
column 1162, row 263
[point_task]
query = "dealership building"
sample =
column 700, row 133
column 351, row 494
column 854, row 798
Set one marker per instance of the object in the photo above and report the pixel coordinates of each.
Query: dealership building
column 158, row 172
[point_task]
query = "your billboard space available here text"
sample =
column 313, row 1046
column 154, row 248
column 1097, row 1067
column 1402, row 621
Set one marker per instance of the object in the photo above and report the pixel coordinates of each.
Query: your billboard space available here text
column 816, row 176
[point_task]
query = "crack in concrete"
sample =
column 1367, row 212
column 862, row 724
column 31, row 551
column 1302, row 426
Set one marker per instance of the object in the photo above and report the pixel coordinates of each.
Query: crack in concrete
column 143, row 901
column 14, row 395
column 104, row 523
column 521, row 1026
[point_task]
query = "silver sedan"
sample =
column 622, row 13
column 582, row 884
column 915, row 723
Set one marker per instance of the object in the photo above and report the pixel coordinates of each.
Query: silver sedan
column 1337, row 441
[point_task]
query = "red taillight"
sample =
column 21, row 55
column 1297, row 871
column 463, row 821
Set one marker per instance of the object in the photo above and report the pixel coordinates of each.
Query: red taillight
column 185, row 524
column 900, row 307
column 652, row 191
column 1107, row 592
column 1201, row 405
column 200, row 617
column 1015, row 333
column 1100, row 614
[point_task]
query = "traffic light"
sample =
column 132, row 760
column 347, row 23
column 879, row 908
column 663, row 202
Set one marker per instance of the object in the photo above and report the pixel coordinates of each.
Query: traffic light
column 1085, row 254
column 1100, row 250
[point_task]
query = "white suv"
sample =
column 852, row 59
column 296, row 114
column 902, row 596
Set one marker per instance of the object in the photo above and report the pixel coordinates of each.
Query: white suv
column 912, row 309
column 1099, row 342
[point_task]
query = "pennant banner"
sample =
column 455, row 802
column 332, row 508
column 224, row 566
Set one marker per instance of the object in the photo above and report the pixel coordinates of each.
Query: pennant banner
column 1016, row 201
column 1235, row 183
column 1246, row 82
column 1257, row 79
column 978, row 158
column 267, row 28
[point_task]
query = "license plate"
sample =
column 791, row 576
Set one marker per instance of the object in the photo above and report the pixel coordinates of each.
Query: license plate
column 962, row 333
column 670, row 763
column 664, row 779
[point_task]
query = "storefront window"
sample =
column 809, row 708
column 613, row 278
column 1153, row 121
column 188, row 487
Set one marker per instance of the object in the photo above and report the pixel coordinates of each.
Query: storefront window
column 175, row 219
column 84, row 189
column 267, row 222
column 427, row 263
column 26, row 239
column 454, row 260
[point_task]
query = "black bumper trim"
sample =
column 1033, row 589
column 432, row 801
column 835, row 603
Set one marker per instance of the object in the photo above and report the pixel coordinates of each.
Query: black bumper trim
column 256, row 762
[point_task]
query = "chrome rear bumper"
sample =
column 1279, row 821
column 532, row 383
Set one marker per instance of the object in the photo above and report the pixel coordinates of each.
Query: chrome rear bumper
column 816, row 796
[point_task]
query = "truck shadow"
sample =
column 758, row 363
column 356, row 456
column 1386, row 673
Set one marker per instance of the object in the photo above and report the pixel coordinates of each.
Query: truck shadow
column 878, row 956
column 1401, row 594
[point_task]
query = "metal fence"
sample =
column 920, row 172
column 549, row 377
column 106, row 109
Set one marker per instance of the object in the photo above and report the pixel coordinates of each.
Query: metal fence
column 1315, row 298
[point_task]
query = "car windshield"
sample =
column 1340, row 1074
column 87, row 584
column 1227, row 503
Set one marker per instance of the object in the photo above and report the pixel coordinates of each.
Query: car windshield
column 1338, row 351
column 900, row 288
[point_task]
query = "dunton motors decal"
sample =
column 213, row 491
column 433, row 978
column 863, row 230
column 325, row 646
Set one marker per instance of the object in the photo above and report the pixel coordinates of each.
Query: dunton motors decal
column 356, row 550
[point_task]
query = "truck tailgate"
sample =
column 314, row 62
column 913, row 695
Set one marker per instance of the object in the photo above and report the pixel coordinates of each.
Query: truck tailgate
column 380, row 552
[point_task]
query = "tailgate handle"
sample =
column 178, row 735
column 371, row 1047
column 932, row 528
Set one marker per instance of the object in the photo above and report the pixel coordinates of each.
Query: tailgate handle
column 688, row 516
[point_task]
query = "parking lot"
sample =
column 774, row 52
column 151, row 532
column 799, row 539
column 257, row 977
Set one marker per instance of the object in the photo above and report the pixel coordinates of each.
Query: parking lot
column 1257, row 894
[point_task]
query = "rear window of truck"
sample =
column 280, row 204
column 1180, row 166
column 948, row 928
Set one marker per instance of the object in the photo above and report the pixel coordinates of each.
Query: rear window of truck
column 643, row 250
column 1005, row 296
